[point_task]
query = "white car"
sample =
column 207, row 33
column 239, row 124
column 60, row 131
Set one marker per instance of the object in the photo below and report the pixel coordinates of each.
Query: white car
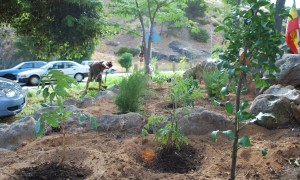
column 106, row 71
column 71, row 68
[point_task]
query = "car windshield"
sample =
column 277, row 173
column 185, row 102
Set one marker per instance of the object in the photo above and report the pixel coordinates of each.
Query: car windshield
column 47, row 66
column 18, row 66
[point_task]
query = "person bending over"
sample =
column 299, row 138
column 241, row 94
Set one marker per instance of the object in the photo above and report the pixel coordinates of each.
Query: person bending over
column 95, row 73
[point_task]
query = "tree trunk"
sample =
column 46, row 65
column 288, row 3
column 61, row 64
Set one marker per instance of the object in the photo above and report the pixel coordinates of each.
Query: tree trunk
column 278, row 19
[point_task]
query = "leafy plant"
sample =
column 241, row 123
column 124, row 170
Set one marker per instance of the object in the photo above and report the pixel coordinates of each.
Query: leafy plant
column 215, row 81
column 183, row 92
column 167, row 130
column 199, row 34
column 252, row 43
column 57, row 89
column 122, row 50
column 159, row 78
column 170, row 136
column 126, row 61
column 131, row 90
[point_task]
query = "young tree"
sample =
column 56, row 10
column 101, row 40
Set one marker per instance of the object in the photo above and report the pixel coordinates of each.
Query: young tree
column 57, row 28
column 126, row 61
column 252, row 44
column 152, row 11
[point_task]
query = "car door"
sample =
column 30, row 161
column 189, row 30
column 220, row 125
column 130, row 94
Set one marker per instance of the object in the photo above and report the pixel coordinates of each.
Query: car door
column 70, row 68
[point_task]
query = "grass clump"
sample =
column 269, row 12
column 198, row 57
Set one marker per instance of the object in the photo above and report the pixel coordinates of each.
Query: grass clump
column 132, row 89
column 214, row 82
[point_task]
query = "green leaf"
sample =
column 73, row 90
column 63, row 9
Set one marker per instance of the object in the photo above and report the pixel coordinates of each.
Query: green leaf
column 45, row 93
column 243, row 115
column 224, row 91
column 229, row 107
column 213, row 135
column 264, row 116
column 219, row 28
column 93, row 122
column 52, row 121
column 244, row 105
column 37, row 127
column 44, row 105
column 296, row 163
column 264, row 151
column 245, row 141
column 82, row 117
column 52, row 95
column 229, row 134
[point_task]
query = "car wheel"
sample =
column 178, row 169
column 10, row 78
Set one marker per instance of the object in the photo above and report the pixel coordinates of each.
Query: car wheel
column 79, row 77
column 9, row 76
column 34, row 80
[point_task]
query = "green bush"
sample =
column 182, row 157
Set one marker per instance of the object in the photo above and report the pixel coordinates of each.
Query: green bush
column 131, row 90
column 214, row 81
column 183, row 92
column 200, row 35
column 126, row 61
column 122, row 50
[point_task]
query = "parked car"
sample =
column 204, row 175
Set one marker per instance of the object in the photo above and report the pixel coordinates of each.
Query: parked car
column 24, row 66
column 108, row 71
column 12, row 97
column 71, row 68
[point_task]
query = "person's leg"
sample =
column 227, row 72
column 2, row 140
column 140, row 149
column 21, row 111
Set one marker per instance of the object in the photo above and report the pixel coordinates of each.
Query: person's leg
column 87, row 83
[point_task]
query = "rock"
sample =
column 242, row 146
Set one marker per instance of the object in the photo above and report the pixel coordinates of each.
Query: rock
column 175, row 58
column 107, row 94
column 279, row 106
column 86, row 102
column 289, row 67
column 289, row 92
column 12, row 136
column 120, row 122
column 71, row 101
column 197, row 71
column 112, row 43
column 175, row 45
column 201, row 121
column 38, row 112
column 159, row 55
column 115, row 89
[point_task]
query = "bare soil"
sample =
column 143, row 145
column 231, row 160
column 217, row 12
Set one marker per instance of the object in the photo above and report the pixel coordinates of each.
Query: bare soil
column 124, row 154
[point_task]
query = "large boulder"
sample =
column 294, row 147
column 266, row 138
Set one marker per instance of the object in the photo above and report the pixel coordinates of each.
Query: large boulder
column 111, row 122
column 289, row 67
column 201, row 121
column 197, row 71
column 12, row 136
column 277, row 101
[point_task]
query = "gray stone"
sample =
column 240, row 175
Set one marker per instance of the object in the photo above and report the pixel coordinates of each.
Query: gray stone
column 197, row 71
column 159, row 55
column 278, row 106
column 112, row 43
column 289, row 67
column 201, row 121
column 12, row 136
column 86, row 102
column 288, row 91
column 120, row 122
column 107, row 94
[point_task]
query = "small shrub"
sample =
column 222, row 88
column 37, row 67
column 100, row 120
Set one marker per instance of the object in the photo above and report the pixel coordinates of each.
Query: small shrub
column 214, row 82
column 131, row 90
column 183, row 92
column 122, row 50
column 200, row 35
column 203, row 21
column 159, row 78
column 126, row 61
column 56, row 91
column 170, row 136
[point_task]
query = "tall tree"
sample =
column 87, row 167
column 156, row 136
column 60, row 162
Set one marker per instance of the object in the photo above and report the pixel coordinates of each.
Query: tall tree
column 151, row 11
column 278, row 18
column 57, row 27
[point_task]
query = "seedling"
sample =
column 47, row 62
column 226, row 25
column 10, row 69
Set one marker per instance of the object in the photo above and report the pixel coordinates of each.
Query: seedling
column 54, row 86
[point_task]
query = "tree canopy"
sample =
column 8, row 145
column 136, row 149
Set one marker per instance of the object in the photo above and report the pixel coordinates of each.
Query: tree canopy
column 59, row 28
